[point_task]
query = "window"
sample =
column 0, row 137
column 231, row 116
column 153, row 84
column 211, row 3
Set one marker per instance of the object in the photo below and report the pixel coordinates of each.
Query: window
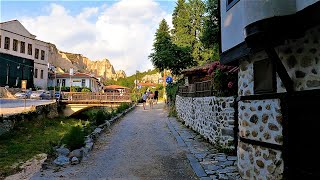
column 58, row 82
column 15, row 45
column 264, row 77
column 42, row 54
column 36, row 53
column 83, row 82
column 30, row 49
column 22, row 47
column 0, row 41
column 41, row 74
column 63, row 82
column 7, row 43
column 35, row 73
column 231, row 3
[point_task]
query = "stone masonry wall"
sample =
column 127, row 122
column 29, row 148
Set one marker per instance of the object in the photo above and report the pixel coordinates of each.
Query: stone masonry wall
column 301, row 58
column 212, row 117
column 261, row 120
column 256, row 162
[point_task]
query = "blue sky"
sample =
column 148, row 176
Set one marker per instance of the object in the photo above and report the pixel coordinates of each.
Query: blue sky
column 120, row 30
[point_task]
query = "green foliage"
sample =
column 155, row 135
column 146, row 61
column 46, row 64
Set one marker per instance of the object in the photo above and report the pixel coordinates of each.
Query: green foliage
column 85, row 89
column 122, row 107
column 74, row 139
column 29, row 139
column 100, row 117
column 167, row 55
column 73, row 88
column 172, row 111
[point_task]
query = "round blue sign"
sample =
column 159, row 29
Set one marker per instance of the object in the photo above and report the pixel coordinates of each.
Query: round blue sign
column 169, row 79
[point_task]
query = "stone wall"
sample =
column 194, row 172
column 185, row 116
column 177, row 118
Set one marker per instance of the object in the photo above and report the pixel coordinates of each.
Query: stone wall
column 212, row 117
column 301, row 58
column 7, row 123
column 257, row 162
column 261, row 120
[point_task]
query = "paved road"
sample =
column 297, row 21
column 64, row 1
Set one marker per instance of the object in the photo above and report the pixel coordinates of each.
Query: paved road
column 14, row 106
column 139, row 146
column 13, row 103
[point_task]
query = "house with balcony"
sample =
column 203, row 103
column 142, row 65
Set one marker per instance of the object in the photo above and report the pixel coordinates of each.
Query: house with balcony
column 80, row 80
column 276, row 45
column 22, row 57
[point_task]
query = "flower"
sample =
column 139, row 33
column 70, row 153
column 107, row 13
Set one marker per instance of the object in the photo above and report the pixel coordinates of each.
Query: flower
column 230, row 84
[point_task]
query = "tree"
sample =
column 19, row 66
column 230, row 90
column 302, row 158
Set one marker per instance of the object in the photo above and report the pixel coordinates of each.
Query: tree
column 167, row 55
column 210, row 35
column 181, row 32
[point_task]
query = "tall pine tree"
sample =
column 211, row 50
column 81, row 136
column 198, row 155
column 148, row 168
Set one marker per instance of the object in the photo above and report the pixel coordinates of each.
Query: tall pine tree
column 210, row 35
column 181, row 32
column 167, row 55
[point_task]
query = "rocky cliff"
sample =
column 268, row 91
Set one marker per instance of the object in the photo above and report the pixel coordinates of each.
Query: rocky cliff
column 80, row 63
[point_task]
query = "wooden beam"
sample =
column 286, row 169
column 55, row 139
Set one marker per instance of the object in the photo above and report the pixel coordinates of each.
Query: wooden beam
column 280, row 69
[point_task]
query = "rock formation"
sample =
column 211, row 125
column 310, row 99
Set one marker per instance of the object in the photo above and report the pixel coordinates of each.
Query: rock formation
column 80, row 63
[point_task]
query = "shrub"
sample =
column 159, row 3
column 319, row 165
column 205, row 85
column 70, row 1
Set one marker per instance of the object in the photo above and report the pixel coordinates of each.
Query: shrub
column 225, row 78
column 85, row 89
column 74, row 139
column 122, row 107
column 100, row 117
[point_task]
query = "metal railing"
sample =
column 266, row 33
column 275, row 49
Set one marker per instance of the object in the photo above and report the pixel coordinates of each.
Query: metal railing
column 95, row 97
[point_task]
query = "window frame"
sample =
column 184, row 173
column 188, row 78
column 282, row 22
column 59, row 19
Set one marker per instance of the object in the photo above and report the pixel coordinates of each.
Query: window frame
column 41, row 74
column 22, row 47
column 231, row 4
column 83, row 82
column 273, row 88
column 15, row 45
column 42, row 54
column 7, row 43
column 29, row 49
column 36, row 73
column 36, row 53
column 0, row 41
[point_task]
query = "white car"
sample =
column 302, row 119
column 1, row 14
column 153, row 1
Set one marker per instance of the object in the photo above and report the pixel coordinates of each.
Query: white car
column 40, row 94
column 24, row 94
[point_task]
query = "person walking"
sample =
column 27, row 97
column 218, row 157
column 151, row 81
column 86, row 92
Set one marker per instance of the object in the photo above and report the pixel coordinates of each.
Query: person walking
column 156, row 94
column 144, row 100
column 151, row 99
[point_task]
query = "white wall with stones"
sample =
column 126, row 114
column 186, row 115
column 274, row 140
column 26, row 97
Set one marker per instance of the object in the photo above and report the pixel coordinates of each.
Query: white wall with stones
column 256, row 162
column 212, row 117
column 261, row 120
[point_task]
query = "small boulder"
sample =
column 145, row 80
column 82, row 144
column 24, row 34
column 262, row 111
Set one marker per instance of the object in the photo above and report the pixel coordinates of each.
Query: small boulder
column 62, row 151
column 61, row 161
column 74, row 161
column 89, row 145
column 76, row 153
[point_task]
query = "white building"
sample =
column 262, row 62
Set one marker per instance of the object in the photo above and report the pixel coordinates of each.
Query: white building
column 80, row 80
column 276, row 45
column 20, row 47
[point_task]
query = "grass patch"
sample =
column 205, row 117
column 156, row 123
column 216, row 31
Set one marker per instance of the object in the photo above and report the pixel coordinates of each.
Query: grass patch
column 29, row 139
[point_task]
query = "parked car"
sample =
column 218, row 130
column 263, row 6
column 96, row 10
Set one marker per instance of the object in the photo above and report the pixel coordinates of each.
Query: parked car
column 40, row 94
column 58, row 95
column 24, row 94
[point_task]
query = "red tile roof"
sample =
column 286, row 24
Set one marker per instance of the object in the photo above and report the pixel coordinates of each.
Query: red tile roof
column 67, row 75
column 115, row 87
column 147, row 84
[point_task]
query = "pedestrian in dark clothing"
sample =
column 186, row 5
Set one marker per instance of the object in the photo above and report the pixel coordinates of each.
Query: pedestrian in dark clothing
column 156, row 94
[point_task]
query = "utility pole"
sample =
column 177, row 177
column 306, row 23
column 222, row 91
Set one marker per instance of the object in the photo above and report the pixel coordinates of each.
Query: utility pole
column 164, row 86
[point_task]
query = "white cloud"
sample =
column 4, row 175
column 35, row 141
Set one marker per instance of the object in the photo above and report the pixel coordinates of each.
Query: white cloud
column 122, row 32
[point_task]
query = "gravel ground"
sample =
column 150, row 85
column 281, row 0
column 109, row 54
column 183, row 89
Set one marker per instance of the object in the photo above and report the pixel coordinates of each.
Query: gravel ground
column 139, row 146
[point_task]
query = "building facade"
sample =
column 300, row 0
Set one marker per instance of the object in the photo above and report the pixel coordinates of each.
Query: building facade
column 80, row 80
column 276, row 45
column 23, row 57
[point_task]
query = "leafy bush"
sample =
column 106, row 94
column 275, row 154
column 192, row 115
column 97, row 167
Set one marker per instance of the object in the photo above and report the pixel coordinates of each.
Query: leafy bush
column 85, row 89
column 225, row 78
column 122, row 107
column 100, row 117
column 74, row 139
